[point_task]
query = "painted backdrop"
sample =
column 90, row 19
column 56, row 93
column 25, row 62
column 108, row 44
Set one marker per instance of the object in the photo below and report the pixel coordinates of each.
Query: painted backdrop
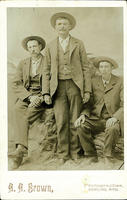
column 101, row 29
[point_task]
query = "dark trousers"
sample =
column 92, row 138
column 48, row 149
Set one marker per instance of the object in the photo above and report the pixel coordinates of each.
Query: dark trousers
column 91, row 127
column 24, row 116
column 67, row 108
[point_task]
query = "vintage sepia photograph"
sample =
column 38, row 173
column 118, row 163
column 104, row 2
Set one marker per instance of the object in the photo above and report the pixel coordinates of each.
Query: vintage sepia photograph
column 63, row 100
column 65, row 88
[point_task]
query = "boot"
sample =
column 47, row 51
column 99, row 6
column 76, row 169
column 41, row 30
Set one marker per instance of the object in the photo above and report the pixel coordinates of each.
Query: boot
column 17, row 156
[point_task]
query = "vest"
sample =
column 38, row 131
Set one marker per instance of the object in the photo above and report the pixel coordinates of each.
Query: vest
column 35, row 87
column 64, row 69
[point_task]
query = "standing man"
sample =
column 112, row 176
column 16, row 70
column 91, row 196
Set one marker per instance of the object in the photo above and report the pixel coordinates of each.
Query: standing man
column 27, row 85
column 66, row 80
column 104, row 111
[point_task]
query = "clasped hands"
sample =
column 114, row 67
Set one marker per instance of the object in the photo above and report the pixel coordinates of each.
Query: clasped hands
column 35, row 101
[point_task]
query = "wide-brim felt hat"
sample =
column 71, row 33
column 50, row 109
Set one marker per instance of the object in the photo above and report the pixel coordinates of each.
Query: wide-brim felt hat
column 39, row 39
column 64, row 15
column 99, row 59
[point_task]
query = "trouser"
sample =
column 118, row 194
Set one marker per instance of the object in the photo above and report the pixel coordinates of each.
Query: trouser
column 90, row 128
column 67, row 107
column 24, row 116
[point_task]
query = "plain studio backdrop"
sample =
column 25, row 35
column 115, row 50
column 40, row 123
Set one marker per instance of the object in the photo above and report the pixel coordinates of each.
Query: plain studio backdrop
column 100, row 28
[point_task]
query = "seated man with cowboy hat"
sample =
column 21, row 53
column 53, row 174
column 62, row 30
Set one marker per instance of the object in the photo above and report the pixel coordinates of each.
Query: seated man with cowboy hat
column 104, row 111
column 27, row 86
column 67, row 82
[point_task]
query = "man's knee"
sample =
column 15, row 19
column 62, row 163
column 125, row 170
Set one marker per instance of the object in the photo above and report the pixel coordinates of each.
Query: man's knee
column 30, row 112
column 20, row 106
column 113, row 130
column 19, row 112
column 83, row 129
column 115, row 127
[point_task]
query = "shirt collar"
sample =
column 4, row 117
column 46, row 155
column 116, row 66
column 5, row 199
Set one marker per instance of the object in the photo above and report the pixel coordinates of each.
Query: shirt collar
column 105, row 81
column 65, row 40
column 37, row 61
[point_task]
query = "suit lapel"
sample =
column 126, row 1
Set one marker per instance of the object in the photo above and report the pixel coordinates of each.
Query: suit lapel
column 39, row 70
column 109, row 86
column 27, row 72
column 54, row 49
column 111, row 83
column 27, row 67
column 72, row 46
column 100, row 83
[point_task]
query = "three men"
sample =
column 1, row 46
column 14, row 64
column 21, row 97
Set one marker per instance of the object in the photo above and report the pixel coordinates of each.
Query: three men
column 27, row 85
column 104, row 111
column 66, row 81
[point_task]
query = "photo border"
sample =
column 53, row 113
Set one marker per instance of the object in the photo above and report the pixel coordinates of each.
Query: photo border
column 68, row 184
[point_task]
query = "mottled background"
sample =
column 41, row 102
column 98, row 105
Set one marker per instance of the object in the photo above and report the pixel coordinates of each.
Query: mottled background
column 101, row 29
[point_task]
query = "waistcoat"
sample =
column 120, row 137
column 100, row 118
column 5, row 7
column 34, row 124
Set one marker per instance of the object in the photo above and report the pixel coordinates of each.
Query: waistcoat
column 64, row 67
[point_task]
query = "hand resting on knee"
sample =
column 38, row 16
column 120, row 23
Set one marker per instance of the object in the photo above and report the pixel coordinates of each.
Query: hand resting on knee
column 110, row 122
column 79, row 121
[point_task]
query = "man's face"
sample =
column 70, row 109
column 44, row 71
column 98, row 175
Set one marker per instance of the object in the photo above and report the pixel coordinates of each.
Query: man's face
column 62, row 26
column 105, row 68
column 33, row 47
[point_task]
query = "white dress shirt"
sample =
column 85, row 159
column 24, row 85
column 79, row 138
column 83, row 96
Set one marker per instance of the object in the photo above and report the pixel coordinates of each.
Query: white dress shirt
column 105, row 82
column 64, row 42
column 34, row 66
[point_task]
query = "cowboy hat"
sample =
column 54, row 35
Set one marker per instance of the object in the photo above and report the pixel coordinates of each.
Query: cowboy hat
column 99, row 59
column 39, row 39
column 63, row 15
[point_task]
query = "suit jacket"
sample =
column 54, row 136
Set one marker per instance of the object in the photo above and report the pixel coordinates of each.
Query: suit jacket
column 21, row 80
column 112, row 96
column 78, row 64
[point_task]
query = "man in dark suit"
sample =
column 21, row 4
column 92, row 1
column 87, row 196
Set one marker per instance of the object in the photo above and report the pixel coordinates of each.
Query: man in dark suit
column 66, row 80
column 104, row 111
column 27, row 85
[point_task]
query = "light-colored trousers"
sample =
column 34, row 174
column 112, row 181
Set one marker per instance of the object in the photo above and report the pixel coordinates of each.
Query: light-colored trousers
column 24, row 116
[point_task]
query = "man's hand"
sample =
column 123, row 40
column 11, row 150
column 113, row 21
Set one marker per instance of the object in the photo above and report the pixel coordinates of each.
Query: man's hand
column 35, row 101
column 47, row 99
column 110, row 122
column 79, row 121
column 86, row 97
